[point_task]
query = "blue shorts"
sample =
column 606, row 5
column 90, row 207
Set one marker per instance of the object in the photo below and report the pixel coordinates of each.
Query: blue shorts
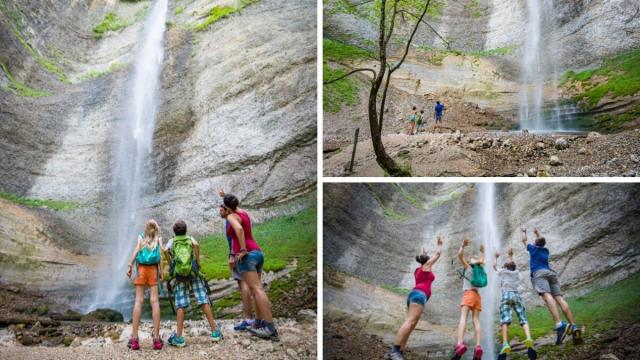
column 182, row 293
column 438, row 118
column 253, row 261
column 417, row 297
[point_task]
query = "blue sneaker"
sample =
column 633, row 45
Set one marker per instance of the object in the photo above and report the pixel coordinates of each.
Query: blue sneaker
column 216, row 335
column 175, row 340
column 561, row 332
column 244, row 325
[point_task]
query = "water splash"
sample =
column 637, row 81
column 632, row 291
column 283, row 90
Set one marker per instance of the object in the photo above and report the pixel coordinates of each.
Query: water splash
column 134, row 144
column 487, row 230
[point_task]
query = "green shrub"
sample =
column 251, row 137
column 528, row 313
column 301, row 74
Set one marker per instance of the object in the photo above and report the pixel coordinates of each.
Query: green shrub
column 111, row 22
column 337, row 94
column 220, row 12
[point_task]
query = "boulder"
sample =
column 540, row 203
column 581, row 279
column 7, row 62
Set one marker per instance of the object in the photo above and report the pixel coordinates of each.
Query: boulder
column 555, row 161
column 561, row 144
column 540, row 145
column 103, row 315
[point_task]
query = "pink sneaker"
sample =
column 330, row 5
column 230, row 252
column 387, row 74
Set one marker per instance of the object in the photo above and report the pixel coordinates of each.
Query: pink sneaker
column 460, row 349
column 133, row 344
column 477, row 354
column 157, row 344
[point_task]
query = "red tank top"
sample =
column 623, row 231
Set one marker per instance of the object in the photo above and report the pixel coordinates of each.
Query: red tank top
column 424, row 280
column 248, row 237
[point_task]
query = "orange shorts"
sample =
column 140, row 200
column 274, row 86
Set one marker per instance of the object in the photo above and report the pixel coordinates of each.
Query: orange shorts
column 471, row 298
column 147, row 275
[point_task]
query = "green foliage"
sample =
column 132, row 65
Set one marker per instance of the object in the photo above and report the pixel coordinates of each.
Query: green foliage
column 111, row 22
column 388, row 212
column 501, row 51
column 611, row 123
column 93, row 74
column 338, row 51
column 20, row 88
column 220, row 12
column 179, row 10
column 281, row 240
column 343, row 92
column 51, row 204
column 411, row 198
column 599, row 310
column 622, row 73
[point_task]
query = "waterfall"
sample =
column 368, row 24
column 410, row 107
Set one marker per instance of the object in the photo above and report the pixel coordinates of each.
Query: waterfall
column 487, row 232
column 134, row 143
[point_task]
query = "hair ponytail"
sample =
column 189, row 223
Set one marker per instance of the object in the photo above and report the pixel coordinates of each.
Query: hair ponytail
column 422, row 258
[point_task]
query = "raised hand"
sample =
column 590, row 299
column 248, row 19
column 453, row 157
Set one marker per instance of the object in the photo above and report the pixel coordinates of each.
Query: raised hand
column 439, row 240
column 523, row 228
column 536, row 232
column 481, row 248
column 466, row 242
column 221, row 192
column 510, row 252
column 497, row 254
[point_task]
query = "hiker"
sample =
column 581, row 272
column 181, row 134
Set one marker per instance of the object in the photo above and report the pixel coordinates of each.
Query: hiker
column 245, row 292
column 545, row 283
column 412, row 121
column 249, row 259
column 420, row 121
column 438, row 112
column 147, row 259
column 416, row 300
column 510, row 299
column 474, row 277
column 183, row 253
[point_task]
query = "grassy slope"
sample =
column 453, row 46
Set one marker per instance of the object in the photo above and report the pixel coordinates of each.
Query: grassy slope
column 51, row 204
column 598, row 310
column 342, row 92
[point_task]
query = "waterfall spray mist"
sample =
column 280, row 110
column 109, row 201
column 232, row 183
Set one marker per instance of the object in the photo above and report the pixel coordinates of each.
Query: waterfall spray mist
column 134, row 143
column 487, row 232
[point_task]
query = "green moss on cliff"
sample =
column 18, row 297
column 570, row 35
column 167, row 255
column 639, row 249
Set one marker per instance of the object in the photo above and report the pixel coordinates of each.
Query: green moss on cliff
column 20, row 88
column 111, row 22
column 93, row 74
column 51, row 204
column 219, row 12
column 337, row 94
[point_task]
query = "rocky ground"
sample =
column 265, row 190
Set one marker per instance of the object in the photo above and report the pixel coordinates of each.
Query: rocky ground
column 498, row 154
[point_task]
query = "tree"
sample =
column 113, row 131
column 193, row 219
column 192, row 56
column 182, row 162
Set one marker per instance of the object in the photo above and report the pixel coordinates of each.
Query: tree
column 382, row 76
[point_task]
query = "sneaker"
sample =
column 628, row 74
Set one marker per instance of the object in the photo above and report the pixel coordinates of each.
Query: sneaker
column 477, row 353
column 561, row 332
column 133, row 344
column 267, row 331
column 528, row 343
column 175, row 340
column 157, row 344
column 576, row 334
column 243, row 326
column 257, row 324
column 395, row 355
column 532, row 354
column 505, row 349
column 460, row 349
column 216, row 335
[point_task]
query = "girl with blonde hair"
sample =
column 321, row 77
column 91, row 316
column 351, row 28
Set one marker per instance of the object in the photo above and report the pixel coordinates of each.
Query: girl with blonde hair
column 146, row 256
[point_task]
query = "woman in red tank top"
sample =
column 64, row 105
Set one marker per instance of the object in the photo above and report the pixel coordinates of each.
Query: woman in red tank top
column 249, row 264
column 416, row 300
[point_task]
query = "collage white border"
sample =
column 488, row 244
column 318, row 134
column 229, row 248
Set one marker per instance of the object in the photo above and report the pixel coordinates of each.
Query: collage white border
column 321, row 180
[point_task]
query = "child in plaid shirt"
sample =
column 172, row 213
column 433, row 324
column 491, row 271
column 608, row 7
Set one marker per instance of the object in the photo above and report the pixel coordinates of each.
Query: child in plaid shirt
column 509, row 281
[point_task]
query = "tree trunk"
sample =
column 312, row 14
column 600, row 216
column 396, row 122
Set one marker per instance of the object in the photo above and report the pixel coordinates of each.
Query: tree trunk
column 383, row 159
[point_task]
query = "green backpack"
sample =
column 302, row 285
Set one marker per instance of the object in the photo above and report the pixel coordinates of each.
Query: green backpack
column 148, row 256
column 183, row 265
column 478, row 276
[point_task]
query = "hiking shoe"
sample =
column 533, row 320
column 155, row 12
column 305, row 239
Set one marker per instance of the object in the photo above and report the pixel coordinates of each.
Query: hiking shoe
column 532, row 354
column 477, row 353
column 460, row 349
column 576, row 334
column 395, row 355
column 216, row 335
column 268, row 332
column 133, row 344
column 561, row 332
column 505, row 349
column 175, row 340
column 243, row 326
column 257, row 324
column 528, row 343
column 157, row 344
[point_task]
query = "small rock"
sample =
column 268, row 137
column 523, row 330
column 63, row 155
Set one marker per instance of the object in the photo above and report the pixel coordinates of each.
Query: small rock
column 307, row 315
column 562, row 143
column 68, row 339
column 593, row 134
column 292, row 353
column 539, row 146
column 542, row 173
column 506, row 143
column 582, row 151
column 106, row 315
column 89, row 342
column 473, row 147
column 608, row 357
column 533, row 172
column 76, row 342
column 634, row 158
column 27, row 339
column 630, row 173
column 13, row 289
column 263, row 346
column 555, row 161
column 197, row 331
column 203, row 353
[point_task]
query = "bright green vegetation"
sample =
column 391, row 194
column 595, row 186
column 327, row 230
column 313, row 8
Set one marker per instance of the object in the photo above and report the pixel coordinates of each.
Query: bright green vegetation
column 338, row 51
column 111, row 22
column 386, row 211
column 599, row 310
column 20, row 88
column 618, row 76
column 51, row 204
column 608, row 123
column 340, row 93
column 281, row 239
column 474, row 7
column 501, row 51
column 439, row 201
column 93, row 74
column 220, row 12
column 407, row 195
column 179, row 10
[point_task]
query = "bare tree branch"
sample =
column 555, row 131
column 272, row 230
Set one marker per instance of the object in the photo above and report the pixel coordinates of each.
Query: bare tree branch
column 350, row 73
column 413, row 33
column 384, row 98
column 432, row 29
column 393, row 22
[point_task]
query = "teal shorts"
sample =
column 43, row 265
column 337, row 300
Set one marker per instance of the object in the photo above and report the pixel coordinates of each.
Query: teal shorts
column 253, row 261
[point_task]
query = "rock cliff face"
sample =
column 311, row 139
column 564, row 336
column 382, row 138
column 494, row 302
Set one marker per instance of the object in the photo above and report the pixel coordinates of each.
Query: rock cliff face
column 373, row 232
column 237, row 111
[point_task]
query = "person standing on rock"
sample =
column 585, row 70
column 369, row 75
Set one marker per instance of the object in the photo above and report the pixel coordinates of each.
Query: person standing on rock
column 438, row 113
column 148, row 261
column 411, row 126
column 420, row 121
column 545, row 283
column 183, row 253
column 245, row 292
column 474, row 277
column 416, row 300
column 249, row 264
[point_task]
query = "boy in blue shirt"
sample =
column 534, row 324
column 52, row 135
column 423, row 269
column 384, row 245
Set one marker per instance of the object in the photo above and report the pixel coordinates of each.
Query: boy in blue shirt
column 545, row 282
